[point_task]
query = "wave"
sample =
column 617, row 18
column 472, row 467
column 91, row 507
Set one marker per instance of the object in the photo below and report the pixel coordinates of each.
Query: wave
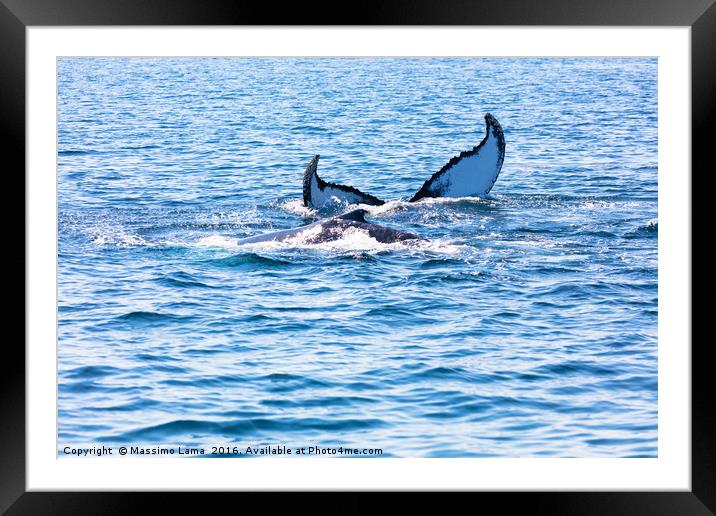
column 90, row 372
column 137, row 405
column 192, row 429
column 77, row 152
column 573, row 368
column 146, row 316
column 648, row 230
column 181, row 280
column 250, row 261
column 440, row 262
column 457, row 374
column 144, row 319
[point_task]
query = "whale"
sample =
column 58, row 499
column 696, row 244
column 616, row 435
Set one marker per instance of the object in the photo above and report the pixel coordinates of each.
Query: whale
column 332, row 229
column 317, row 192
column 472, row 173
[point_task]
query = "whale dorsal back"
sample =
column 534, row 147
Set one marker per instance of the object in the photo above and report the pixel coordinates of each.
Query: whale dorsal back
column 355, row 215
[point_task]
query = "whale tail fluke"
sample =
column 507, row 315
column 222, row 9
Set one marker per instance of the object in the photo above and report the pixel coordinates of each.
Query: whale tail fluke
column 317, row 192
column 473, row 172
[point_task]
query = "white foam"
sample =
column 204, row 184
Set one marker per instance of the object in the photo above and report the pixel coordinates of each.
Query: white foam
column 114, row 234
column 296, row 206
column 308, row 234
column 385, row 209
column 354, row 239
column 218, row 241
column 357, row 240
column 237, row 218
column 449, row 200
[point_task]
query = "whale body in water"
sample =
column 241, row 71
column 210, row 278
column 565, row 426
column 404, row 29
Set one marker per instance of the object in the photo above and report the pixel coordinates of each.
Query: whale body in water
column 471, row 173
column 334, row 228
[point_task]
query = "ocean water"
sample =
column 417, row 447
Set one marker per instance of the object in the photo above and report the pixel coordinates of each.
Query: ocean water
column 524, row 326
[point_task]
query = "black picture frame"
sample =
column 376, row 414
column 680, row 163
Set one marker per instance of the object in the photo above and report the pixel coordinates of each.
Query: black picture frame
column 17, row 15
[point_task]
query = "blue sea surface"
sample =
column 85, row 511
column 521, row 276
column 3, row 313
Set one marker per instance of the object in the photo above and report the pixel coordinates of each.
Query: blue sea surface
column 525, row 326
